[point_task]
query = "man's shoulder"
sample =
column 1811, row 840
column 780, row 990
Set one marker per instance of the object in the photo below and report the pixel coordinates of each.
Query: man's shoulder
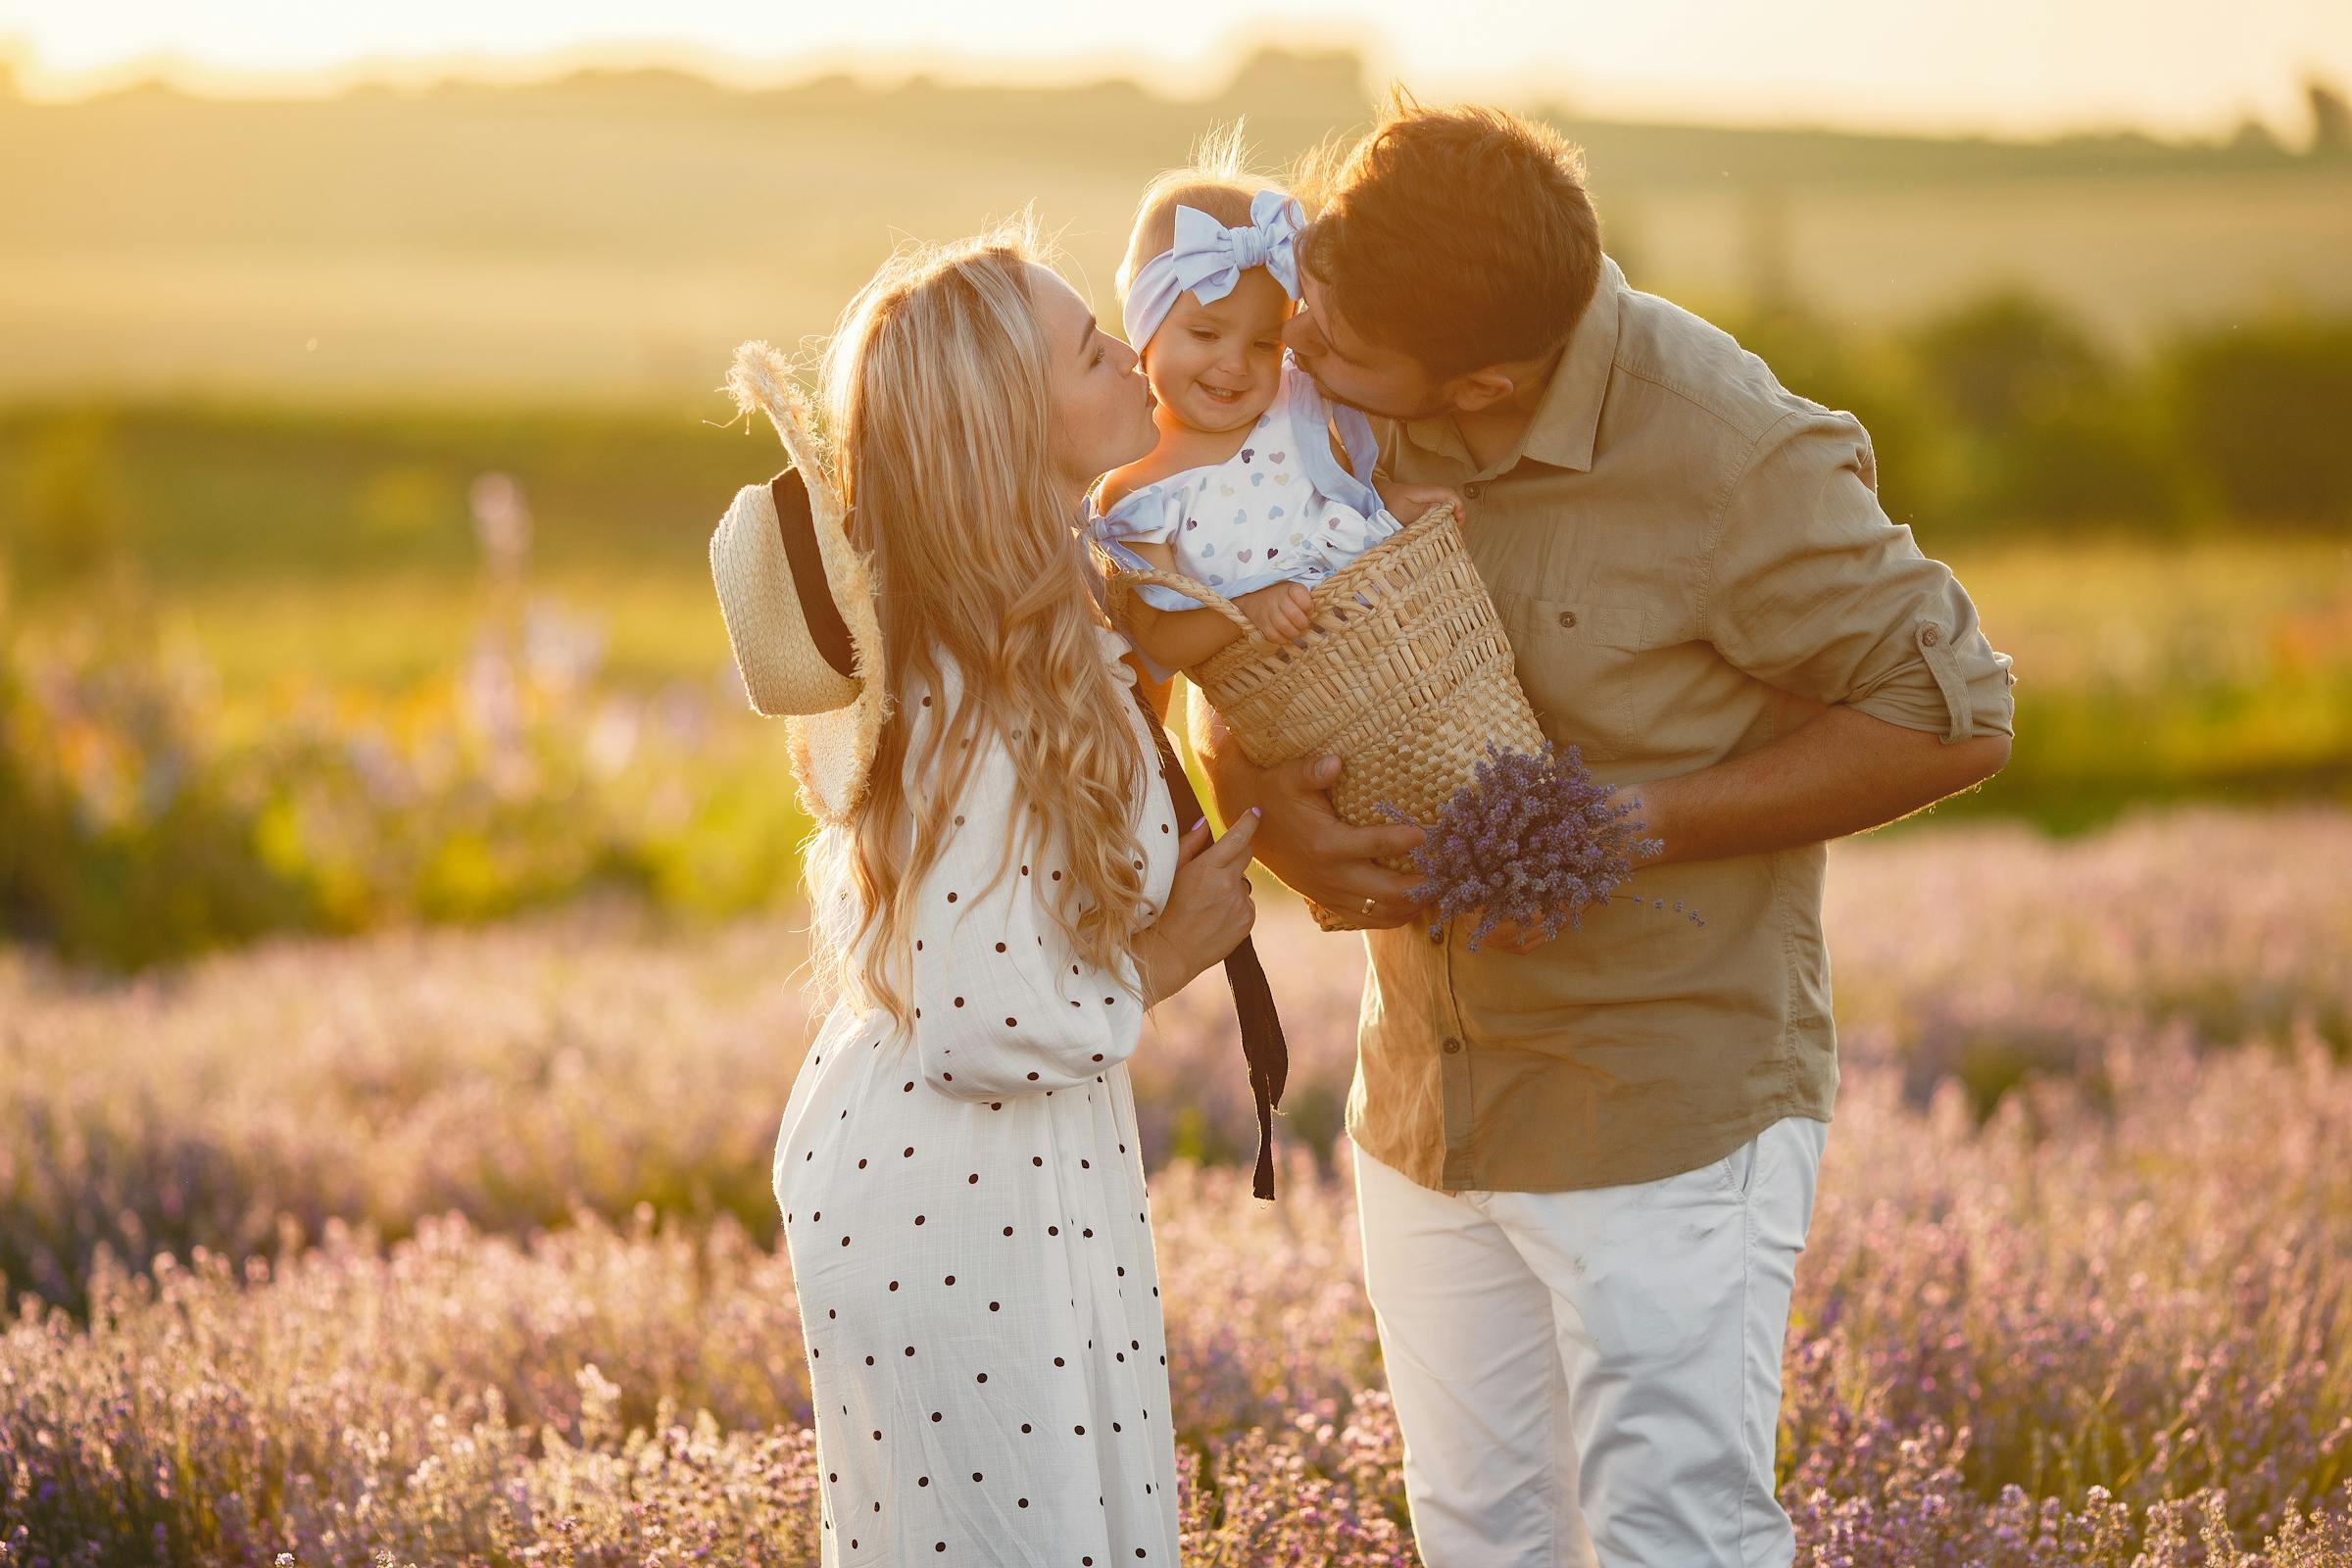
column 1682, row 363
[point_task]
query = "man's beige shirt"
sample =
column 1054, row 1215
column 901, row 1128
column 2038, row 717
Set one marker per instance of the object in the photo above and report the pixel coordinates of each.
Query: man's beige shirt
column 1686, row 558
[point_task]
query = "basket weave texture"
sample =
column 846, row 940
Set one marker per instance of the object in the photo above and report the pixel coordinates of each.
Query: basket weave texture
column 1403, row 673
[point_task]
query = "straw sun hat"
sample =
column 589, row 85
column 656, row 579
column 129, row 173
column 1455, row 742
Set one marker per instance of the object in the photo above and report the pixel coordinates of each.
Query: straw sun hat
column 798, row 601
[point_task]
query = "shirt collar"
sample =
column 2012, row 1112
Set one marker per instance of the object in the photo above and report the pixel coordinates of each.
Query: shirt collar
column 1562, row 432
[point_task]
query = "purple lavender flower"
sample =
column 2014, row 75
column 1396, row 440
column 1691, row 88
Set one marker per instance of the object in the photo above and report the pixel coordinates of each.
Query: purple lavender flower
column 1531, row 839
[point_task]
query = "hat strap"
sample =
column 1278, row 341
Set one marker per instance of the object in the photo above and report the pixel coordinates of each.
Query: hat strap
column 818, row 612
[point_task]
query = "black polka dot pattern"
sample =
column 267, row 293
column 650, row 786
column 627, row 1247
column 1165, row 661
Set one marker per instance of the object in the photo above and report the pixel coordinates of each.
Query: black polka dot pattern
column 967, row 1223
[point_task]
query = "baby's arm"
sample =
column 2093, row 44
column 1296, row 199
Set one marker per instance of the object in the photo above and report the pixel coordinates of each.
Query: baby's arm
column 1176, row 639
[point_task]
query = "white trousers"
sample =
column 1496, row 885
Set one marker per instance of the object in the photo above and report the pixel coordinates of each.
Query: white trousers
column 1594, row 1378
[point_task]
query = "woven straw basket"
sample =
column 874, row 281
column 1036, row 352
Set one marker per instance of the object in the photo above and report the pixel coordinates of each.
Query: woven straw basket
column 1404, row 674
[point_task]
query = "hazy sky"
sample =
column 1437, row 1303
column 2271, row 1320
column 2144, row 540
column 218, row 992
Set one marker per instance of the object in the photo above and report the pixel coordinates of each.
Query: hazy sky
column 1998, row 64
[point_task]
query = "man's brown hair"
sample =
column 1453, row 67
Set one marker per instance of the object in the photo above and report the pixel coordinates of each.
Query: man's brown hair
column 1461, row 236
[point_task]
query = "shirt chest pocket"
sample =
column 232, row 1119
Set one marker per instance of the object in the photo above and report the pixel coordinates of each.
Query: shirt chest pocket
column 1575, row 659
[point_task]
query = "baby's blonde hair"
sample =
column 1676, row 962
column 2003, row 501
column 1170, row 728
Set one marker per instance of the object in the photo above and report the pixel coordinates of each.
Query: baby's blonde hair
column 1216, row 178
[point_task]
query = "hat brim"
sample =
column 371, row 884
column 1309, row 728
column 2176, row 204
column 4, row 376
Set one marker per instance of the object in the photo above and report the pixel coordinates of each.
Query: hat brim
column 798, row 601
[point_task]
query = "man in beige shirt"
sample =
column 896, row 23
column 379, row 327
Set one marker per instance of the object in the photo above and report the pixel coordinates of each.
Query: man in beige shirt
column 1585, row 1166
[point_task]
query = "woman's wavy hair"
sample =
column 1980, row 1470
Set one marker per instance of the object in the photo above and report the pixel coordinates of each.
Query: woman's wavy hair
column 937, row 402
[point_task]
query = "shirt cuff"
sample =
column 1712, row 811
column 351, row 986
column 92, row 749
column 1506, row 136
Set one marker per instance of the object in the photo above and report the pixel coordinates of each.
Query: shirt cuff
column 1959, row 689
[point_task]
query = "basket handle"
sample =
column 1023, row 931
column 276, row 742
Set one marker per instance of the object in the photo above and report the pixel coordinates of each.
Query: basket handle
column 1207, row 596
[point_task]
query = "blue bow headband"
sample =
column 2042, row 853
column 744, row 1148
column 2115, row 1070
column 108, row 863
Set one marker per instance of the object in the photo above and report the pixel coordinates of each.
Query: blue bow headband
column 1207, row 259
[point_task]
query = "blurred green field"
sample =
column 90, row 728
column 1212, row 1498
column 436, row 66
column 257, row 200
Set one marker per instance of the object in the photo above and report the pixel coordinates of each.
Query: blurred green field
column 2218, row 670
column 291, row 552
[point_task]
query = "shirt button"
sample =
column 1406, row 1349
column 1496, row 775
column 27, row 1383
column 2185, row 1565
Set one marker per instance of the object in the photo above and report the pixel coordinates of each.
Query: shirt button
column 1437, row 936
column 1471, row 492
column 1929, row 635
column 1567, row 620
column 1454, row 1047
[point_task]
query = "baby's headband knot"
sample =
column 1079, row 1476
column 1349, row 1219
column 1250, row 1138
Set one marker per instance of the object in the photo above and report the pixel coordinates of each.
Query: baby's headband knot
column 1209, row 257
column 1207, row 260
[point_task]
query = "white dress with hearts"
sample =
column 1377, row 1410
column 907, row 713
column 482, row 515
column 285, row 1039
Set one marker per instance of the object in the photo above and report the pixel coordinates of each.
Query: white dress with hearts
column 1280, row 510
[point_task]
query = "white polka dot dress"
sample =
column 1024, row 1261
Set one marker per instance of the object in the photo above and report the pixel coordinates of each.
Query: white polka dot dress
column 969, row 1237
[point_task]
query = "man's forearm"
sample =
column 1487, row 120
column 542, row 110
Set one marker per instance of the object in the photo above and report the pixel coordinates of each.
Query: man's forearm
column 1838, row 773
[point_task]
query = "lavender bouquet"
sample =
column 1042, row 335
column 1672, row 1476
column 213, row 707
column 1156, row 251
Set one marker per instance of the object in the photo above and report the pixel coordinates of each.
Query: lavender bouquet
column 1531, row 839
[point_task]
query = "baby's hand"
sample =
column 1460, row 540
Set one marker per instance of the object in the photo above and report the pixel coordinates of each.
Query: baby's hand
column 1280, row 612
column 1406, row 502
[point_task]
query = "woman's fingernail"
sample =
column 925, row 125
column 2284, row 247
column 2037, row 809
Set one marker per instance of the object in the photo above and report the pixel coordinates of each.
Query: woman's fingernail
column 1196, row 821
column 1256, row 811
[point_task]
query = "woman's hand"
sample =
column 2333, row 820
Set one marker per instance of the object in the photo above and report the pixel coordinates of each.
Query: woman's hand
column 1280, row 611
column 1209, row 909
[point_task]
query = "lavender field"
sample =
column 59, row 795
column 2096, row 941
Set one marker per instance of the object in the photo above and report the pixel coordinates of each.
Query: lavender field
column 457, row 1246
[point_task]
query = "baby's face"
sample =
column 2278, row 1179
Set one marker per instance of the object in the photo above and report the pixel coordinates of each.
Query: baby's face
column 1216, row 367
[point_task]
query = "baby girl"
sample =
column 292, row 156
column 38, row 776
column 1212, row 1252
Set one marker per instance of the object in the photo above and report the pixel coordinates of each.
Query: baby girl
column 1258, row 486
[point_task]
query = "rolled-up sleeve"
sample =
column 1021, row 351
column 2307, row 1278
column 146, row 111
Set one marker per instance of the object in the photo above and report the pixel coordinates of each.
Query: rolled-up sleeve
column 1812, row 588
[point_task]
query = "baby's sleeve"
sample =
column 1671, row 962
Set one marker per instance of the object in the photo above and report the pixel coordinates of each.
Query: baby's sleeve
column 1150, row 516
column 1003, row 1007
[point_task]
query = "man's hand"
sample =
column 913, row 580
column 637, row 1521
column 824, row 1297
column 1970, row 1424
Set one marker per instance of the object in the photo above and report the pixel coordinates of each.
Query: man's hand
column 1406, row 502
column 1300, row 838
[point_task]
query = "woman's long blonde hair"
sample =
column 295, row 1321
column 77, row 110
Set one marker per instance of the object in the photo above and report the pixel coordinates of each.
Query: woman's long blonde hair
column 937, row 402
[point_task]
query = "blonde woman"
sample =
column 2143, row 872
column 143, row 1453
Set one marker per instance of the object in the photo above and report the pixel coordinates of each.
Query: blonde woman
column 959, row 1168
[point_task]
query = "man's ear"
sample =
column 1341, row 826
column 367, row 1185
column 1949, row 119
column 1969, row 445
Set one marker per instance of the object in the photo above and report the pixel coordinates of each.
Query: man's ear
column 1480, row 389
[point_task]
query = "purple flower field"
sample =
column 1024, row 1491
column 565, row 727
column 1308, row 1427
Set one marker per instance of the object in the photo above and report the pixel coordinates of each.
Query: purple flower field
column 457, row 1248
